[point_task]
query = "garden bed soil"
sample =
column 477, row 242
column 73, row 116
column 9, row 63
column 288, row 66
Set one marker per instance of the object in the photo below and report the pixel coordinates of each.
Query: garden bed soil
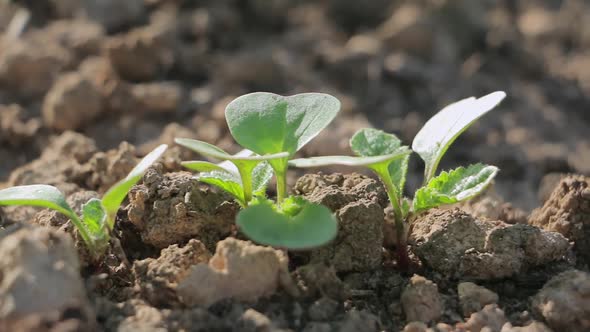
column 88, row 87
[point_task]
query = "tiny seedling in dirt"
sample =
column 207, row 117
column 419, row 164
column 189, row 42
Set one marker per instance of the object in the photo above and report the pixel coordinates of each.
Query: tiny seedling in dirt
column 98, row 215
column 384, row 154
column 273, row 128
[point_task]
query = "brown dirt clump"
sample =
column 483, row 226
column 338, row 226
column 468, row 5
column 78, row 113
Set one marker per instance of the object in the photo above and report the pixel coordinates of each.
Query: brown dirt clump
column 358, row 202
column 455, row 244
column 172, row 208
column 421, row 300
column 567, row 211
column 564, row 301
column 158, row 277
column 40, row 284
column 239, row 270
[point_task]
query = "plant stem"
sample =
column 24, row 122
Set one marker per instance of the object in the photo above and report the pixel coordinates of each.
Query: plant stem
column 395, row 199
column 246, row 176
column 281, row 186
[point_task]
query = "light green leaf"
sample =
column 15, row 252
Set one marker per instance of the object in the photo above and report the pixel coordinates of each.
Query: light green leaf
column 226, row 181
column 370, row 142
column 209, row 150
column 434, row 139
column 302, row 226
column 202, row 166
column 348, row 160
column 398, row 170
column 47, row 197
column 95, row 220
column 261, row 175
column 112, row 199
column 455, row 186
column 37, row 195
column 267, row 123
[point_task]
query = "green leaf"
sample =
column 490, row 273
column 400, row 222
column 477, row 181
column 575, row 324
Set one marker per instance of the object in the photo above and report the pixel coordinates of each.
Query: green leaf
column 267, row 123
column 209, row 150
column 370, row 142
column 261, row 175
column 226, row 181
column 348, row 160
column 95, row 220
column 112, row 199
column 435, row 138
column 48, row 197
column 37, row 195
column 303, row 225
column 455, row 186
column 202, row 166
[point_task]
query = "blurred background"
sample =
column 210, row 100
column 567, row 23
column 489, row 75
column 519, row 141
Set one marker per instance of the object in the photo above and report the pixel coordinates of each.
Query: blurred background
column 146, row 71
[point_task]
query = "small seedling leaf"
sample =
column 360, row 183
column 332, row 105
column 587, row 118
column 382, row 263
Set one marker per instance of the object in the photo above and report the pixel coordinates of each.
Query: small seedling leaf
column 398, row 170
column 261, row 175
column 225, row 181
column 455, row 186
column 302, row 225
column 202, row 166
column 370, row 142
column 212, row 151
column 348, row 160
column 95, row 218
column 267, row 123
column 113, row 198
column 435, row 138
column 37, row 195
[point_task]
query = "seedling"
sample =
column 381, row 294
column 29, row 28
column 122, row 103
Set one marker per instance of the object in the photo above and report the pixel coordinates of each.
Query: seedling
column 274, row 128
column 384, row 154
column 98, row 216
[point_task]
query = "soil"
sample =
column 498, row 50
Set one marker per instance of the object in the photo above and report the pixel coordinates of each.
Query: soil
column 88, row 87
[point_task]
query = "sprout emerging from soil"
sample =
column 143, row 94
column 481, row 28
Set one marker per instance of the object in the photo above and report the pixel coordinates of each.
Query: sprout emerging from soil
column 384, row 154
column 98, row 215
column 273, row 128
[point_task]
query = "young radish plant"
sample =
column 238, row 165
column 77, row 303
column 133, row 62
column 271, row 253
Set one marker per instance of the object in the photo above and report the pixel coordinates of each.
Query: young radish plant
column 273, row 128
column 384, row 154
column 98, row 215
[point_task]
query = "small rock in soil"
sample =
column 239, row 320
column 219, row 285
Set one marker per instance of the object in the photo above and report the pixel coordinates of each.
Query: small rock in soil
column 490, row 318
column 172, row 208
column 14, row 130
column 358, row 202
column 421, row 300
column 28, row 69
column 323, row 309
column 113, row 14
column 239, row 270
column 491, row 206
column 105, row 169
column 82, row 37
column 473, row 297
column 158, row 278
column 532, row 327
column 568, row 212
column 253, row 321
column 72, row 103
column 356, row 320
column 455, row 244
column 40, row 282
column 564, row 301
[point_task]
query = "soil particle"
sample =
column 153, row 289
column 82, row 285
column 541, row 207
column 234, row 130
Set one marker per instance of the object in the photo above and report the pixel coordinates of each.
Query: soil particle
column 28, row 69
column 160, row 97
column 491, row 206
column 358, row 202
column 139, row 55
column 421, row 300
column 321, row 280
column 172, row 208
column 564, row 301
column 568, row 212
column 360, row 320
column 72, row 103
column 323, row 309
column 159, row 277
column 60, row 162
column 253, row 321
column 40, row 283
column 490, row 318
column 473, row 297
column 114, row 15
column 238, row 270
column 82, row 37
column 455, row 244
column 105, row 169
column 15, row 130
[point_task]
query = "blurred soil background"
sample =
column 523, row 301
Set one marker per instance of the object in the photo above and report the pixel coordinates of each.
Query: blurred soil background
column 146, row 71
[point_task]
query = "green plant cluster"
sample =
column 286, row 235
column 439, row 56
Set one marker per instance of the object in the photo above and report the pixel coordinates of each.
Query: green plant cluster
column 271, row 129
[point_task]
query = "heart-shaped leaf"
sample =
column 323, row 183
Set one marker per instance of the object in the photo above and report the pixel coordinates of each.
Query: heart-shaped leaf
column 302, row 225
column 455, row 186
column 112, row 199
column 267, row 123
column 435, row 138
